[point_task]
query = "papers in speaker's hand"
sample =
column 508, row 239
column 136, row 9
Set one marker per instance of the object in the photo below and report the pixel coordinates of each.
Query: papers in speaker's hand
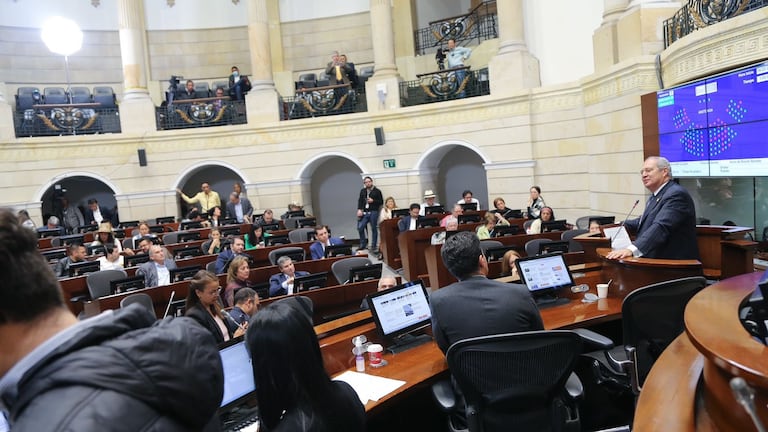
column 619, row 237
column 369, row 387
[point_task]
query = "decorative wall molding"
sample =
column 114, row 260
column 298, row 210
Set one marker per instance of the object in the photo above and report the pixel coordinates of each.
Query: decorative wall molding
column 623, row 79
column 510, row 165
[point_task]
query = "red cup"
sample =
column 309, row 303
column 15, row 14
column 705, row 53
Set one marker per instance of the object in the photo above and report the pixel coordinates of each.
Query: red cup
column 374, row 354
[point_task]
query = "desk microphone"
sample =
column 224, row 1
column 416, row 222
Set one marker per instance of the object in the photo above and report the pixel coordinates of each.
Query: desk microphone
column 621, row 225
column 167, row 308
column 745, row 396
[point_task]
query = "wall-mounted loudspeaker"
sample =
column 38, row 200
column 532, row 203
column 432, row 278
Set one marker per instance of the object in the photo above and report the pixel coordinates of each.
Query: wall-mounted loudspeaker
column 142, row 157
column 379, row 132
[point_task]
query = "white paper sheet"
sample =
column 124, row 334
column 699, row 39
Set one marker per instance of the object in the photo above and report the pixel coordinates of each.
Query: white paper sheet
column 369, row 387
column 619, row 237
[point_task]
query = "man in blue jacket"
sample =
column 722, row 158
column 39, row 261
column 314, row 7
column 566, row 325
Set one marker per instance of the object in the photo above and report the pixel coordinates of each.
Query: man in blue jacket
column 317, row 249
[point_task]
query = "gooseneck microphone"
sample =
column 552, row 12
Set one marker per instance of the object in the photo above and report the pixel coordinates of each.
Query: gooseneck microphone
column 621, row 225
column 746, row 398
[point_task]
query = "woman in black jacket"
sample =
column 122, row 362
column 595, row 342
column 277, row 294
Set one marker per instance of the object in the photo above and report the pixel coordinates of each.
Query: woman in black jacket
column 203, row 306
column 294, row 391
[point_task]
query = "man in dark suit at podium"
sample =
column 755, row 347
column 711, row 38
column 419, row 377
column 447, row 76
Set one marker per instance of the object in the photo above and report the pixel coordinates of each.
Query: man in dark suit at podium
column 495, row 307
column 667, row 228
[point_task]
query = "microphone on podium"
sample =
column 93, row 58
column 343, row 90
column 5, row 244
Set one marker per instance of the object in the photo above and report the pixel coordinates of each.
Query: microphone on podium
column 745, row 396
column 621, row 225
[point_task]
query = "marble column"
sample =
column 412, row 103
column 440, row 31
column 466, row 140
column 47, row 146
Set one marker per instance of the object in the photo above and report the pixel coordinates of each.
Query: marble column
column 6, row 117
column 513, row 68
column 383, row 88
column 137, row 112
column 262, row 102
column 638, row 30
column 604, row 39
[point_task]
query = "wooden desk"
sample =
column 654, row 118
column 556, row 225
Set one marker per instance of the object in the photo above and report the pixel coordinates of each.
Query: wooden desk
column 723, row 250
column 334, row 299
column 629, row 274
column 388, row 232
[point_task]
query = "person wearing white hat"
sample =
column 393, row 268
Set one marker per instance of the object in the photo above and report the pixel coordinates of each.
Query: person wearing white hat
column 429, row 201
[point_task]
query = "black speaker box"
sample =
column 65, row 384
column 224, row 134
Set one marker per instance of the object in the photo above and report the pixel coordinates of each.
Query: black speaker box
column 142, row 157
column 379, row 132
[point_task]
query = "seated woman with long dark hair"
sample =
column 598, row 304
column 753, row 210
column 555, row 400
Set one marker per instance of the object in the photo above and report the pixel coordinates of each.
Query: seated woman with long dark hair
column 294, row 391
column 203, row 306
column 255, row 237
column 547, row 215
column 237, row 278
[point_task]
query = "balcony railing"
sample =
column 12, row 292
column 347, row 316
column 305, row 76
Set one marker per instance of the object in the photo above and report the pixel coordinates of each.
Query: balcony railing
column 66, row 119
column 323, row 101
column 205, row 112
column 480, row 24
column 446, row 84
column 698, row 14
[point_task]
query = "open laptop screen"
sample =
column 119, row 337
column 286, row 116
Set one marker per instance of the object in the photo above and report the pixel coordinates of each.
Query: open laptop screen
column 238, row 373
column 544, row 272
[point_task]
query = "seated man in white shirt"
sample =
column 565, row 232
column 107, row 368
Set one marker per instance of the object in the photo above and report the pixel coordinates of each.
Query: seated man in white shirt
column 156, row 271
column 112, row 260
column 429, row 201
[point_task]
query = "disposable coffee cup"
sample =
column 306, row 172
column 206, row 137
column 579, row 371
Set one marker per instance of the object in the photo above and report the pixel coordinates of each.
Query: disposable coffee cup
column 374, row 355
column 602, row 290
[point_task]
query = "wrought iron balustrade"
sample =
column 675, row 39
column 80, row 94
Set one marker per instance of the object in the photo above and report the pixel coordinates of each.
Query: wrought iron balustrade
column 479, row 24
column 66, row 119
column 204, row 112
column 446, row 84
column 323, row 101
column 698, row 14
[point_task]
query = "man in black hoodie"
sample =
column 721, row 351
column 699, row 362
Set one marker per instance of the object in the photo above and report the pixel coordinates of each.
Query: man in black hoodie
column 119, row 371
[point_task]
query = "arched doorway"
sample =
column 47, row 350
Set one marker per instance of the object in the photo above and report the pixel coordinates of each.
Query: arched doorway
column 78, row 189
column 220, row 177
column 455, row 166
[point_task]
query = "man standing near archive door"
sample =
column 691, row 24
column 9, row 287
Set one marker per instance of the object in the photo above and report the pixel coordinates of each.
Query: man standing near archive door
column 368, row 204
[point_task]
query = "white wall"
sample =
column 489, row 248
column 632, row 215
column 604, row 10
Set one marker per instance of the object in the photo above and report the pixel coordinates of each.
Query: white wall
column 559, row 34
column 299, row 10
column 32, row 14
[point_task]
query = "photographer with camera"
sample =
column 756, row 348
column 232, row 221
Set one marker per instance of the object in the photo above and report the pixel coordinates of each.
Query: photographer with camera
column 337, row 70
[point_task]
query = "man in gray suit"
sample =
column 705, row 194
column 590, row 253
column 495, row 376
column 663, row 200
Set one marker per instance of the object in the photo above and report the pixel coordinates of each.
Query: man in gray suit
column 495, row 307
column 239, row 208
column 156, row 271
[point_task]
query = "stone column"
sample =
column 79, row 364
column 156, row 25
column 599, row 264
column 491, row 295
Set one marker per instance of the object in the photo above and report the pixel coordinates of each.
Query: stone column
column 513, row 67
column 639, row 28
column 6, row 117
column 262, row 102
column 383, row 88
column 604, row 41
column 137, row 113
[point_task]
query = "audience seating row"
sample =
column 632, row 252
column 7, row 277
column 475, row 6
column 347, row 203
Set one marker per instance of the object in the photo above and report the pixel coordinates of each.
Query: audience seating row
column 27, row 97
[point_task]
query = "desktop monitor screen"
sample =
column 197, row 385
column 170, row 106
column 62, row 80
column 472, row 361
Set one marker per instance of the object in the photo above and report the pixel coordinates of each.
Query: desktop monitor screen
column 165, row 220
column 558, row 225
column 184, row 237
column 129, row 224
column 398, row 213
column 228, row 221
column 133, row 261
column 267, row 227
column 157, row 229
column 310, row 281
column 276, row 240
column 434, row 209
column 366, row 272
column 469, row 206
column 229, row 231
column 119, row 286
column 81, row 268
column 603, row 220
column 338, row 250
column 306, row 222
column 95, row 249
column 54, row 255
column 67, row 239
column 184, row 273
column 87, row 228
column 296, row 213
column 187, row 252
column 311, row 236
column 514, row 214
column 46, row 232
column 553, row 247
column 544, row 274
column 427, row 222
column 497, row 253
column 239, row 383
column 469, row 218
column 190, row 225
column 400, row 310
column 505, row 230
column 118, row 233
column 177, row 308
column 449, row 234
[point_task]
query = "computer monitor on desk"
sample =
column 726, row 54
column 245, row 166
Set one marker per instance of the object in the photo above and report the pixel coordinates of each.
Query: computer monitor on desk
column 558, row 225
column 428, row 210
column 133, row 261
column 338, row 250
column 469, row 206
column 427, row 222
column 84, row 267
column 546, row 248
column 398, row 213
column 365, row 272
column 400, row 312
column 310, row 281
column 184, row 273
column 505, row 230
column 545, row 276
column 132, row 283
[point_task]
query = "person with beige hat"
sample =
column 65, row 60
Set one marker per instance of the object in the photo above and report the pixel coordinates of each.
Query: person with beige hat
column 429, row 201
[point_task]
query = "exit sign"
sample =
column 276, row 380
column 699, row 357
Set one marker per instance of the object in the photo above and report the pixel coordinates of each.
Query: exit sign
column 389, row 163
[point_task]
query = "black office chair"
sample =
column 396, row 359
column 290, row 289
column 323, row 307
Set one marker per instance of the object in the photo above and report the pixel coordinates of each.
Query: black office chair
column 573, row 245
column 274, row 255
column 340, row 268
column 515, row 381
column 142, row 299
column 532, row 246
column 652, row 317
column 299, row 235
column 488, row 244
column 98, row 282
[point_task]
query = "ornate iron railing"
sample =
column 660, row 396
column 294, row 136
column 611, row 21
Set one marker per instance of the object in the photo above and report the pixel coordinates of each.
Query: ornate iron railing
column 66, row 119
column 698, row 14
column 323, row 101
column 183, row 114
column 446, row 84
column 480, row 24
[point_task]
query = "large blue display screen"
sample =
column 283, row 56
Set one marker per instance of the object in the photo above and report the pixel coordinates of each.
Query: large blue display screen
column 717, row 126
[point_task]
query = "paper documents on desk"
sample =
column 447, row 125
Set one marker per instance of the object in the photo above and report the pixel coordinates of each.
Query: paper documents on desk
column 369, row 387
column 619, row 237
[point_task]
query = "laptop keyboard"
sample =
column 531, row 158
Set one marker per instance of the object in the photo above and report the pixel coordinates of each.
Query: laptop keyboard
column 249, row 423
